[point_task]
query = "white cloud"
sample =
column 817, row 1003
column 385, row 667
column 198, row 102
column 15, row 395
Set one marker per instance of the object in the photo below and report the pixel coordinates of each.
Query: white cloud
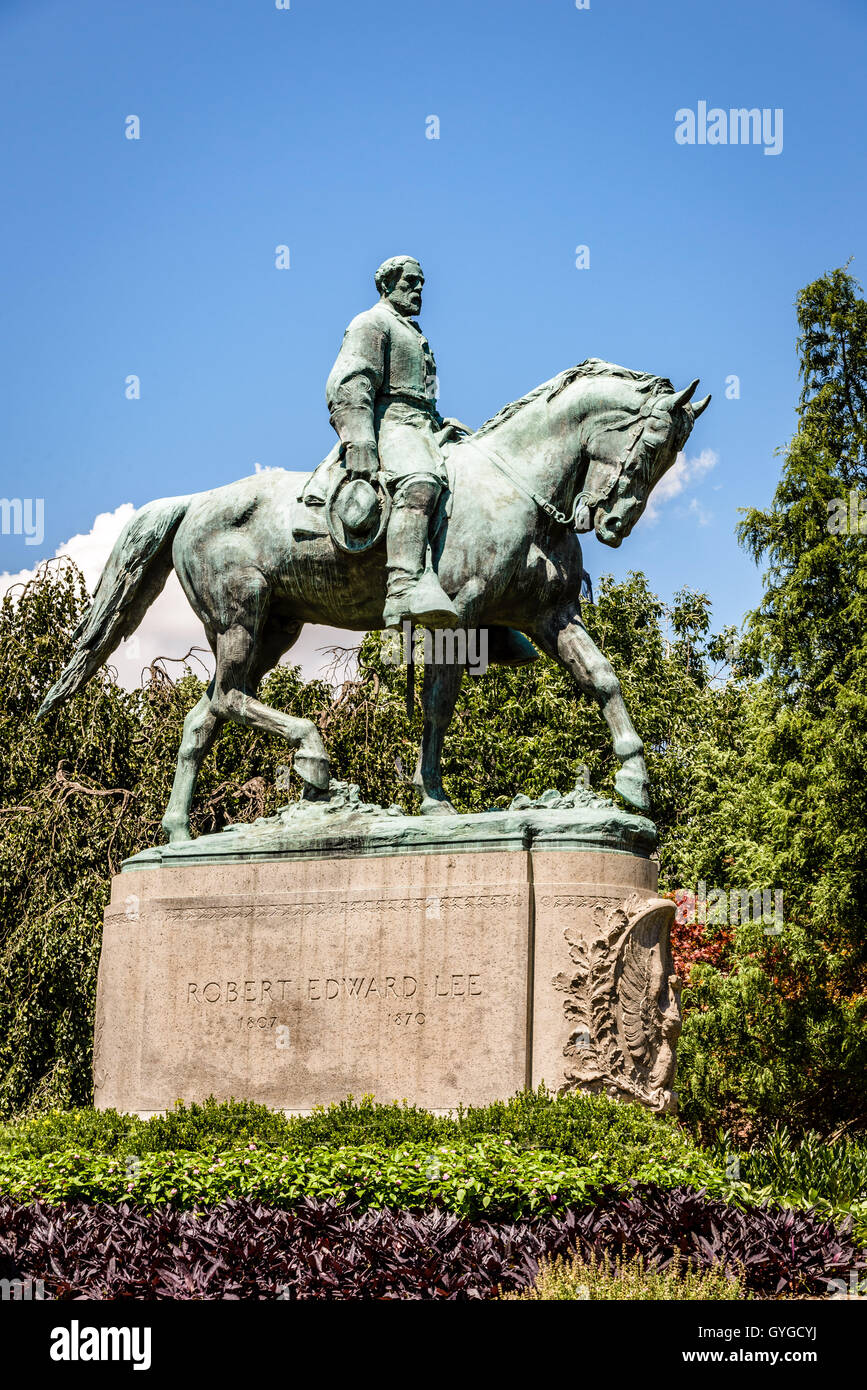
column 170, row 627
column 701, row 514
column 683, row 474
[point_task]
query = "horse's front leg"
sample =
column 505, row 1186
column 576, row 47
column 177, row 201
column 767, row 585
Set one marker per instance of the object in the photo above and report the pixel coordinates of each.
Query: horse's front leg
column 439, row 695
column 563, row 635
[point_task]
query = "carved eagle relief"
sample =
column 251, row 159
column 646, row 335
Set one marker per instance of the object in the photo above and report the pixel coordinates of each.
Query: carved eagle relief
column 625, row 998
column 645, row 991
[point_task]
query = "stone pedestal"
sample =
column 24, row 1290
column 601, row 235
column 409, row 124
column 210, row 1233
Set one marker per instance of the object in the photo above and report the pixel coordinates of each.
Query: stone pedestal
column 432, row 974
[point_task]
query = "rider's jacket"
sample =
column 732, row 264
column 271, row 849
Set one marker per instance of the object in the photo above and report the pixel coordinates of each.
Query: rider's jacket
column 384, row 359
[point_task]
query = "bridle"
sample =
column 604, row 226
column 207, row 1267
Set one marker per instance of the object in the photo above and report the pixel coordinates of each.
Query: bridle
column 586, row 500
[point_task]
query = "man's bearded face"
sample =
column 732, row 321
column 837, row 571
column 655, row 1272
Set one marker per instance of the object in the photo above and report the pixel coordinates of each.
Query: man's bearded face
column 406, row 295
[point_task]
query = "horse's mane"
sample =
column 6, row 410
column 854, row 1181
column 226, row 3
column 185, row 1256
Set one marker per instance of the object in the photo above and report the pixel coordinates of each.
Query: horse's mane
column 644, row 464
column 593, row 366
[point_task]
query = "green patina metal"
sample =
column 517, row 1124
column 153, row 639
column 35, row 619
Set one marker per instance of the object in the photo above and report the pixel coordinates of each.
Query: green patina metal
column 483, row 531
column 341, row 825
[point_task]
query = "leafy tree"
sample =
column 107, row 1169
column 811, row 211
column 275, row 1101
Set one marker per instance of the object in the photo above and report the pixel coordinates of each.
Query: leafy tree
column 782, row 1033
column 810, row 629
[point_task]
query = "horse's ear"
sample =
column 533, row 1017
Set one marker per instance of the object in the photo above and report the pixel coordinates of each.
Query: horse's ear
column 699, row 406
column 682, row 397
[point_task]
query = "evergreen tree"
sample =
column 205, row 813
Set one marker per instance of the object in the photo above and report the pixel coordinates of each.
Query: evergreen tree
column 781, row 1032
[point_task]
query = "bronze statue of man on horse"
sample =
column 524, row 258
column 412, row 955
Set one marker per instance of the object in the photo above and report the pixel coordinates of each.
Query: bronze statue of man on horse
column 257, row 562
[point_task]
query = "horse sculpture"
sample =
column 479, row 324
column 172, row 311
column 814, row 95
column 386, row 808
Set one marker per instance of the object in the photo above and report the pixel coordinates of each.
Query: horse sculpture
column 582, row 450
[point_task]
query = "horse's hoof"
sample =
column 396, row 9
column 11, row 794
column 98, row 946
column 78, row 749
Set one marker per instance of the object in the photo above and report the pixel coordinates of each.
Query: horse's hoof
column 431, row 806
column 634, row 789
column 311, row 793
column 177, row 834
column 313, row 769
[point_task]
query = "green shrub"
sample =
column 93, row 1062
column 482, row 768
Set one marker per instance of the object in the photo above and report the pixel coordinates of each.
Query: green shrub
column 471, row 1179
column 580, row 1125
column 490, row 1176
column 87, row 1130
column 828, row 1175
column 532, row 1153
column 567, row 1278
column 575, row 1125
column 221, row 1124
column 810, row 1167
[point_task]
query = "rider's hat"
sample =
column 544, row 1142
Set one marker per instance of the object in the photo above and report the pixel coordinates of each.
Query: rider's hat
column 356, row 513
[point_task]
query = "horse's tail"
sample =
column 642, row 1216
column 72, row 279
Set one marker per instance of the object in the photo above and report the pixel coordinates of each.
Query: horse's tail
column 134, row 576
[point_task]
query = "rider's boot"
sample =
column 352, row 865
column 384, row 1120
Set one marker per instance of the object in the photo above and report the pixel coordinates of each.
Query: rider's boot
column 508, row 647
column 414, row 592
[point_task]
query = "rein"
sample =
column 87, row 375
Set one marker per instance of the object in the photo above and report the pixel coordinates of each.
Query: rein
column 585, row 501
column 541, row 502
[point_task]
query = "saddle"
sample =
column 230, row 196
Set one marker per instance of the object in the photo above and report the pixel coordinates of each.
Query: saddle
column 505, row 646
column 310, row 521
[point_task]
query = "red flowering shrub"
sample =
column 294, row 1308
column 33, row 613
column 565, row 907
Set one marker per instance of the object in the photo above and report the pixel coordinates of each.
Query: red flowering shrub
column 697, row 943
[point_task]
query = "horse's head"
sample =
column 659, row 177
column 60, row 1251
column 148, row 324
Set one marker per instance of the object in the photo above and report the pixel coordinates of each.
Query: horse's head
column 630, row 447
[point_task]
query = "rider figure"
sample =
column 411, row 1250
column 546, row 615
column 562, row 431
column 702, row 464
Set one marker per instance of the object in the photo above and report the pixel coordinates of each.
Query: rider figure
column 381, row 396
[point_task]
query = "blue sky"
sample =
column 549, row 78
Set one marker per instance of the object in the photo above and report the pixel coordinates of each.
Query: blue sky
column 306, row 127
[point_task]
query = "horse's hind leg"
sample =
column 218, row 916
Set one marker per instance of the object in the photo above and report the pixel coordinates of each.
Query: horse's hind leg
column 439, row 694
column 204, row 721
column 563, row 635
column 242, row 659
column 200, row 729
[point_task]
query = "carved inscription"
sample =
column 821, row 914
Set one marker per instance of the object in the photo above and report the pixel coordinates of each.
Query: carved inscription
column 362, row 986
column 237, row 991
column 576, row 900
column 432, row 907
column 456, row 986
column 211, row 995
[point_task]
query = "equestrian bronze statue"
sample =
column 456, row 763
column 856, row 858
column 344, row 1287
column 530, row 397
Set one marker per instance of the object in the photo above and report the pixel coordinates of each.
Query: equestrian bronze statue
column 411, row 517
